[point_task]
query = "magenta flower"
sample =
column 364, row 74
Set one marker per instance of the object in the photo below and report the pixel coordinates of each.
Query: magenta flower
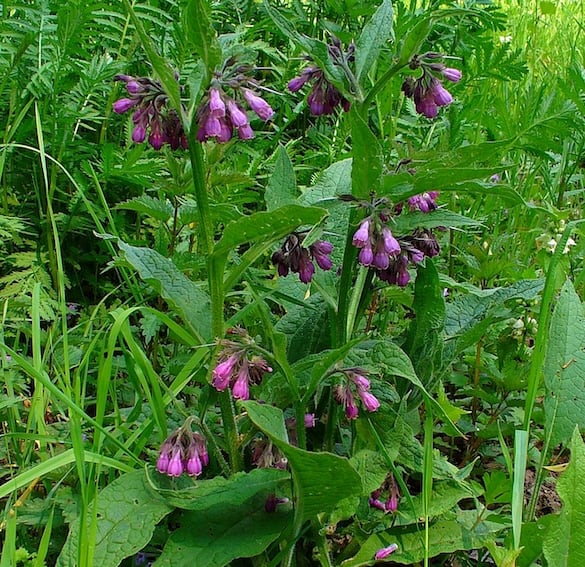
column 183, row 451
column 453, row 75
column 229, row 110
column 175, row 467
column 258, row 105
column 362, row 235
column 385, row 551
column 235, row 371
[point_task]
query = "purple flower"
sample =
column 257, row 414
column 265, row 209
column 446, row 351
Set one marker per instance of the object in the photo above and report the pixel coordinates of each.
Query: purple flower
column 362, row 234
column 453, row 75
column 441, row 95
column 245, row 132
column 237, row 115
column 223, row 372
column 183, row 451
column 391, row 245
column 272, row 502
column 427, row 90
column 293, row 256
column 216, row 103
column 124, row 104
column 241, row 389
column 262, row 109
column 366, row 256
column 175, row 467
column 324, row 97
column 152, row 113
column 377, row 503
column 385, row 551
column 370, row 401
column 310, row 420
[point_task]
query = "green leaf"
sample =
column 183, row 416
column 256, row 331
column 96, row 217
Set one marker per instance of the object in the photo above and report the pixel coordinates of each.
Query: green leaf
column 334, row 181
column 564, row 368
column 267, row 226
column 467, row 311
column 201, row 495
column 176, row 288
column 406, row 223
column 366, row 168
column 156, row 208
column 218, row 535
column 425, row 340
column 269, row 419
column 321, row 480
column 373, row 37
column 414, row 38
column 200, row 33
column 282, row 186
column 564, row 541
column 127, row 513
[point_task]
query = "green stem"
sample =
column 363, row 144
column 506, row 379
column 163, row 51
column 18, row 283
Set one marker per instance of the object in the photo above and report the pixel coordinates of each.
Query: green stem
column 215, row 278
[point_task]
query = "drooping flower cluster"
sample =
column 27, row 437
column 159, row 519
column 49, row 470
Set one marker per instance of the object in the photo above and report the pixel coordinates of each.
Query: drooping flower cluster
column 355, row 381
column 293, row 256
column 184, row 451
column 219, row 113
column 266, row 455
column 428, row 91
column 391, row 256
column 324, row 97
column 391, row 504
column 236, row 371
column 152, row 117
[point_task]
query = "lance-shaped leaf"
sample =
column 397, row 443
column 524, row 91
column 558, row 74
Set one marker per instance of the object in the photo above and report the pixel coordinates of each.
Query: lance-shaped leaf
column 190, row 300
column 564, row 367
column 200, row 33
column 564, row 542
column 373, row 37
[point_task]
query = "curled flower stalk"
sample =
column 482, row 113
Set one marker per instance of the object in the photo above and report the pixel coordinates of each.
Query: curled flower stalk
column 355, row 383
column 223, row 110
column 427, row 91
column 184, row 451
column 324, row 97
column 293, row 256
column 390, row 255
column 237, row 370
column 152, row 117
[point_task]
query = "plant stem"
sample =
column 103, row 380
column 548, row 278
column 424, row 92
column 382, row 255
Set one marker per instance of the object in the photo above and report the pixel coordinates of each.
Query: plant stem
column 215, row 279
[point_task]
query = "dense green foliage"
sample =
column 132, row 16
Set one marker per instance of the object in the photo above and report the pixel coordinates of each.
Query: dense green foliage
column 131, row 278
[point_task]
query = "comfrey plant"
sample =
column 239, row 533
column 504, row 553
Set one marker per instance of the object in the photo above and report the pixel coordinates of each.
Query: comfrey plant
column 297, row 436
column 381, row 250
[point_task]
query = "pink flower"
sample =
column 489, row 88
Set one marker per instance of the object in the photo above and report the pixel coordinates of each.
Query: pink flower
column 258, row 105
column 223, row 372
column 362, row 234
column 216, row 103
column 385, row 551
column 175, row 467
column 124, row 104
column 370, row 401
column 453, row 75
